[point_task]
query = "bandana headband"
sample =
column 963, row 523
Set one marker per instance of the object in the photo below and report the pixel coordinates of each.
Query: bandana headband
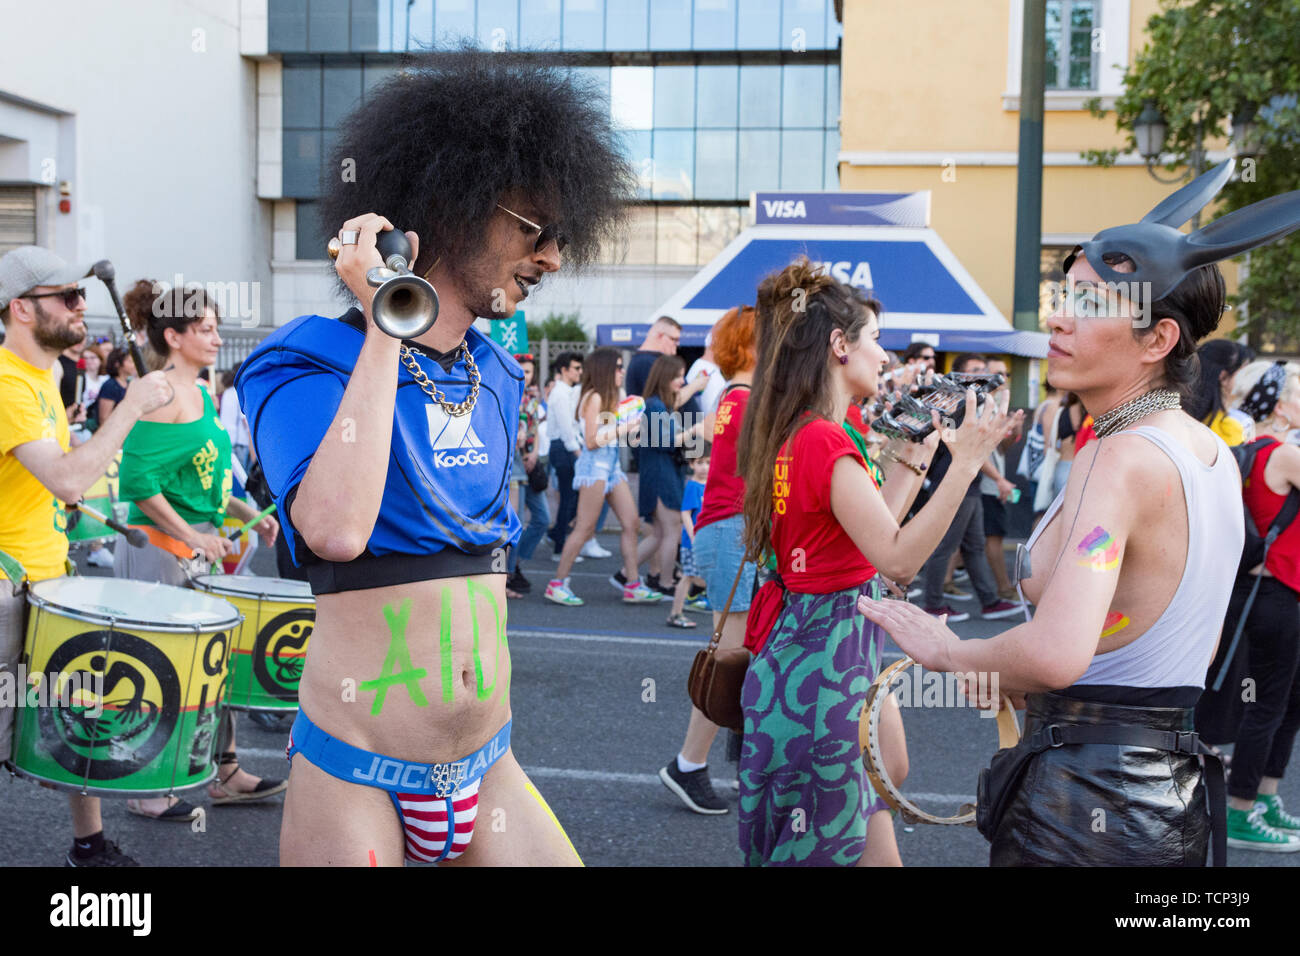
column 1263, row 398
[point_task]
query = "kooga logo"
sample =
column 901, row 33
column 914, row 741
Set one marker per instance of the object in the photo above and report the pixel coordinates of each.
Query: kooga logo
column 784, row 209
column 454, row 442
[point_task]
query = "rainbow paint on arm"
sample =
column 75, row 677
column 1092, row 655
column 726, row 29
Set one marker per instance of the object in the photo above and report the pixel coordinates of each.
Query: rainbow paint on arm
column 1098, row 550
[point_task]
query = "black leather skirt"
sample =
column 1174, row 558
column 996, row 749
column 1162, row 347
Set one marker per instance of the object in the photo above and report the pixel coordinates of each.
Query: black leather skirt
column 1105, row 804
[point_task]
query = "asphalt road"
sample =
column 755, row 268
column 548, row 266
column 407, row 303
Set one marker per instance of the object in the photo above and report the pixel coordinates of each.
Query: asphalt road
column 592, row 742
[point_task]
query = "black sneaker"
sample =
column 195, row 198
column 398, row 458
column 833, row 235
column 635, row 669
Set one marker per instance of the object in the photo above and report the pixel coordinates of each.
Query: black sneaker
column 110, row 855
column 667, row 590
column 619, row 580
column 694, row 788
column 517, row 582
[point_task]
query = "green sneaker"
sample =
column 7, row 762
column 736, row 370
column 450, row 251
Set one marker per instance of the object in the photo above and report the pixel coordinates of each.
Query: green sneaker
column 558, row 592
column 1274, row 814
column 1248, row 831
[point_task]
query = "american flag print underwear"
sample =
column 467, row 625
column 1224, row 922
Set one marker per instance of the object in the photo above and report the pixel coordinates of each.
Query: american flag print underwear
column 437, row 803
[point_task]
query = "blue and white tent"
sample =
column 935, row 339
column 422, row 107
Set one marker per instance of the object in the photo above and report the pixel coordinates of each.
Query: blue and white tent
column 879, row 241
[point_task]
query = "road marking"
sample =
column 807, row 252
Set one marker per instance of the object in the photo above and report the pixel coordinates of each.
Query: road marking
column 640, row 779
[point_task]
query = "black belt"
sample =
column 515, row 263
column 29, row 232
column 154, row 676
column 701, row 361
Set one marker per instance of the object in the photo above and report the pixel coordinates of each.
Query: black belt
column 1173, row 741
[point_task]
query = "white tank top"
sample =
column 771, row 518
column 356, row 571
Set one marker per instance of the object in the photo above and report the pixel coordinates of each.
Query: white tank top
column 1176, row 650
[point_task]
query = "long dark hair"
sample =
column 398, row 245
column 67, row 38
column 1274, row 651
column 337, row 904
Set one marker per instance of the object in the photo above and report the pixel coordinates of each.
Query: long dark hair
column 660, row 380
column 797, row 310
column 598, row 375
column 1217, row 357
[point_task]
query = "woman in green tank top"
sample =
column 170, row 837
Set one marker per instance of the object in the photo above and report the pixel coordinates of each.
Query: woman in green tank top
column 176, row 473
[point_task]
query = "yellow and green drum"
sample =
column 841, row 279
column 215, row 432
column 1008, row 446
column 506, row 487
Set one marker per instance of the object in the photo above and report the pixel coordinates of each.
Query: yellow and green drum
column 125, row 682
column 271, row 647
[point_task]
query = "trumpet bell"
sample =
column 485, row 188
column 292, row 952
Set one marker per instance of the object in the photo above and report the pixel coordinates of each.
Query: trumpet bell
column 405, row 306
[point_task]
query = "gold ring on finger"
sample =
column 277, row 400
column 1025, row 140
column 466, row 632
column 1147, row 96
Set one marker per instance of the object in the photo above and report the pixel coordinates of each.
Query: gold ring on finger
column 333, row 247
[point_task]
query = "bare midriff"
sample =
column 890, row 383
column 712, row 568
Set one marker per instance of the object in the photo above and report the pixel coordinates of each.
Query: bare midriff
column 418, row 671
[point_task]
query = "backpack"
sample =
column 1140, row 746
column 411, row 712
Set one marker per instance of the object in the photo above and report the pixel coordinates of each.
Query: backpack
column 1256, row 547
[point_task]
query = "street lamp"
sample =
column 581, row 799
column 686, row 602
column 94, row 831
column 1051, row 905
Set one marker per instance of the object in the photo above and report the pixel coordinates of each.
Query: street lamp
column 1150, row 129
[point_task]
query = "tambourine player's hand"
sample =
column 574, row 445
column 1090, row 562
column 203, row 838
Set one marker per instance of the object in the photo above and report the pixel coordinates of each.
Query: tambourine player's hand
column 923, row 637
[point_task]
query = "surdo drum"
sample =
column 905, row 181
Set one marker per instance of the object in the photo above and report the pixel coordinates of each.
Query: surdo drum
column 134, row 674
column 271, row 646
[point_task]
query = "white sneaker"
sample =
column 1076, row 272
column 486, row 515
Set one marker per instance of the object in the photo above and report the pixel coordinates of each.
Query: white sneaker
column 592, row 549
column 100, row 558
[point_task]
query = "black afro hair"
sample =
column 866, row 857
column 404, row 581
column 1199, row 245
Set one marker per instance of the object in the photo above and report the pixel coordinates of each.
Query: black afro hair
column 437, row 145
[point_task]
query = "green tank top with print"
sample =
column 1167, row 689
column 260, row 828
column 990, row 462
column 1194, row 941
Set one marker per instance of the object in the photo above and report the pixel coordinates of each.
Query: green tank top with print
column 188, row 464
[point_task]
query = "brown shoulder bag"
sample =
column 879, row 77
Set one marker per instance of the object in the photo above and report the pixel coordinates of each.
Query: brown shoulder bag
column 717, row 676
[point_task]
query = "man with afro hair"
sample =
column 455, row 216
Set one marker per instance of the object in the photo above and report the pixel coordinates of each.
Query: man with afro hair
column 390, row 460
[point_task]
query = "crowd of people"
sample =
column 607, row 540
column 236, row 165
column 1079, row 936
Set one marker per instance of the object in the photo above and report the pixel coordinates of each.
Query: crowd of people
column 764, row 497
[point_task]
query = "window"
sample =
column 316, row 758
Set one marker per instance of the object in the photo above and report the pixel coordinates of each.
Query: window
column 716, row 100
column 760, row 160
column 327, row 28
column 584, row 24
column 801, row 158
column 539, row 25
column 760, row 96
column 670, row 25
column 631, row 96
column 626, row 29
column 802, row 96
column 1070, row 54
column 498, row 24
column 759, row 25
column 452, row 20
column 674, row 96
column 674, row 164
column 715, row 24
column 715, row 164
column 1087, row 45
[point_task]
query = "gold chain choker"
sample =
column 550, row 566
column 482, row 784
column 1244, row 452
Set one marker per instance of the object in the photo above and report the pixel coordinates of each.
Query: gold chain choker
column 455, row 409
column 1135, row 409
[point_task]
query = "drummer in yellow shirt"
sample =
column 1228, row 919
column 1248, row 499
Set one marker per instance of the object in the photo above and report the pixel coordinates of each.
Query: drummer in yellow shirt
column 42, row 309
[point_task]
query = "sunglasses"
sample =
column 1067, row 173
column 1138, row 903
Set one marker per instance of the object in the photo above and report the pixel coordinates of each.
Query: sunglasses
column 545, row 234
column 69, row 296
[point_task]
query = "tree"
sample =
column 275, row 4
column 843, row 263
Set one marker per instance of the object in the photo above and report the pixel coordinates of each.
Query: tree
column 557, row 327
column 1207, row 60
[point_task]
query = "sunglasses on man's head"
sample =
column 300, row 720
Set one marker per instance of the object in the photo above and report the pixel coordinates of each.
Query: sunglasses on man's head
column 545, row 234
column 69, row 296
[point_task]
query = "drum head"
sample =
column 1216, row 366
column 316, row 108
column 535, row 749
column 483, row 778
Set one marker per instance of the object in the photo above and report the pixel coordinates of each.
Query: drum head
column 137, row 604
column 248, row 585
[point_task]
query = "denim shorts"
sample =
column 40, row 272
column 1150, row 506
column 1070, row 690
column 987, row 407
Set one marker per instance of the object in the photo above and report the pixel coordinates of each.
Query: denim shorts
column 598, row 464
column 719, row 548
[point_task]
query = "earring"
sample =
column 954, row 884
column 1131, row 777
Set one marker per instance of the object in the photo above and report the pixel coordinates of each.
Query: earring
column 844, row 360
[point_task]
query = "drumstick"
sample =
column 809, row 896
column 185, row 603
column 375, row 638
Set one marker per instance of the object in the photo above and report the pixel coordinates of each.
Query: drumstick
column 134, row 536
column 251, row 521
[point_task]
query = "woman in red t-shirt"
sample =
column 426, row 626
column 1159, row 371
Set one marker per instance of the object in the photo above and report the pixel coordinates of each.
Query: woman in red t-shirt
column 811, row 502
column 719, row 547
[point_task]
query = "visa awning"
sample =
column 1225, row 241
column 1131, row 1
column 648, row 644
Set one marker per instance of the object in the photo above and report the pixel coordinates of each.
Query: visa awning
column 926, row 292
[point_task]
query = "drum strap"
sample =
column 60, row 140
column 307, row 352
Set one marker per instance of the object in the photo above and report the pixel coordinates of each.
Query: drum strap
column 171, row 545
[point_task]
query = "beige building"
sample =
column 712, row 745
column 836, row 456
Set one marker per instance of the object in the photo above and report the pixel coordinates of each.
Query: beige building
column 931, row 91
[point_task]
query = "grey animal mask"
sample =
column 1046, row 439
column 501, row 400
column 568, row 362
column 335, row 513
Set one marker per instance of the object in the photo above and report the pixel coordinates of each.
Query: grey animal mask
column 1163, row 256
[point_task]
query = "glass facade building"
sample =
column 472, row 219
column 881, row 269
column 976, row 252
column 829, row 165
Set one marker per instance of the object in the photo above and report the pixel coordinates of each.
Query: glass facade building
column 714, row 98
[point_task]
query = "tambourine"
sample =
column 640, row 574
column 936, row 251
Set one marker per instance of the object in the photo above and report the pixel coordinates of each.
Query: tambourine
column 869, row 737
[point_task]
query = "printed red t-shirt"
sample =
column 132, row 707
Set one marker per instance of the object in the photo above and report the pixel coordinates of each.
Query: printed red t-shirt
column 813, row 553
column 724, row 492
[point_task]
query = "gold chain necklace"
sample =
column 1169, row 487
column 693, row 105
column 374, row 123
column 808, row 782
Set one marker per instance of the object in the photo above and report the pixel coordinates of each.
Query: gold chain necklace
column 455, row 409
column 1122, row 416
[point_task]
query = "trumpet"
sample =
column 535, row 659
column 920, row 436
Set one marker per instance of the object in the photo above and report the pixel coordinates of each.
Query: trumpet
column 405, row 305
